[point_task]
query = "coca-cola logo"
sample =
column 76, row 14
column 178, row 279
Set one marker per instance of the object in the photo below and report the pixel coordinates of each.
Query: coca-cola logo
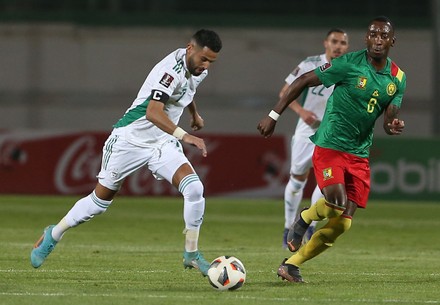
column 78, row 166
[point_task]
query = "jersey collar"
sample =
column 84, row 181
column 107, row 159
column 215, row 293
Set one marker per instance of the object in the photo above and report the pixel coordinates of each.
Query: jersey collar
column 385, row 70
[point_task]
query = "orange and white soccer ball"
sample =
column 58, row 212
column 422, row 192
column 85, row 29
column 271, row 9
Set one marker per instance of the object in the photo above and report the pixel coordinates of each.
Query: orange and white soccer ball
column 226, row 273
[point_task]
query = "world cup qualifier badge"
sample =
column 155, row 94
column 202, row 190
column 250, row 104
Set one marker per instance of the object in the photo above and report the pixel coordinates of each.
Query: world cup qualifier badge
column 325, row 66
column 166, row 80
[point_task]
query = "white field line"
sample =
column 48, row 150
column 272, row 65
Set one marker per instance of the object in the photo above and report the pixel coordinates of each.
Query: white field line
column 31, row 270
column 235, row 297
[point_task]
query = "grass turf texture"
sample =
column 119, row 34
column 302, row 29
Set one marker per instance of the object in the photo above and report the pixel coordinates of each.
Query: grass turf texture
column 133, row 255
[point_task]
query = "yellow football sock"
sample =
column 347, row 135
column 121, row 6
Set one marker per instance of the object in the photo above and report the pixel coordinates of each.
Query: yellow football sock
column 321, row 240
column 321, row 210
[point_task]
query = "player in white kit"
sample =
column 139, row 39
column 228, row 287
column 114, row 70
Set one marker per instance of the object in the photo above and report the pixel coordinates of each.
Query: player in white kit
column 313, row 102
column 148, row 135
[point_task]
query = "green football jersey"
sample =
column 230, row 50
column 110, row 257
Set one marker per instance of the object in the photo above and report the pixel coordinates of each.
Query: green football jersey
column 360, row 96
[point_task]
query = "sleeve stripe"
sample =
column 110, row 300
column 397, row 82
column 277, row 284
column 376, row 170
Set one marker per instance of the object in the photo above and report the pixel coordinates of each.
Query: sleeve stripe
column 400, row 74
column 395, row 71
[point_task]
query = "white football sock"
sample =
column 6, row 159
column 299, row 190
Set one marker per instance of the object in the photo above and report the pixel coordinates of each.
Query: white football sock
column 191, row 240
column 59, row 229
column 293, row 195
column 193, row 209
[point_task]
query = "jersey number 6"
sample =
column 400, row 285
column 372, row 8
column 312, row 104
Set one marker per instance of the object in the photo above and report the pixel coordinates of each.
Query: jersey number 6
column 371, row 103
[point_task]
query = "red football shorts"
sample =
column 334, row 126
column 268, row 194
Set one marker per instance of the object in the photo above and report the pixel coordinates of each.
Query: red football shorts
column 337, row 167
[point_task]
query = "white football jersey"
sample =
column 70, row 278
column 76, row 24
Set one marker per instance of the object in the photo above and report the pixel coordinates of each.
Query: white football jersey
column 314, row 98
column 169, row 76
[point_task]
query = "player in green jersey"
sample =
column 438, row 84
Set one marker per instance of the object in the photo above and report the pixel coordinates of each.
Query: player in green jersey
column 367, row 84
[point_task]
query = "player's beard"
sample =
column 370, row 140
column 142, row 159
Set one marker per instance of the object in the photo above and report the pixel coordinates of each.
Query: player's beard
column 193, row 69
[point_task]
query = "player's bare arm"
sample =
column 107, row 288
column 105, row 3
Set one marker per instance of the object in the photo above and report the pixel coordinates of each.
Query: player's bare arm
column 392, row 125
column 309, row 117
column 283, row 90
column 267, row 124
column 197, row 121
column 155, row 114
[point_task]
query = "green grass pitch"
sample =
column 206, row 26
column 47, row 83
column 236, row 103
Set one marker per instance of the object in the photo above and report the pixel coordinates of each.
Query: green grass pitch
column 132, row 255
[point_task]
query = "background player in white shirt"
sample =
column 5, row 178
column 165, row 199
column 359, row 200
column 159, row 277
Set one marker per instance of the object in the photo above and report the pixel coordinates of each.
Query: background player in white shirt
column 313, row 102
column 148, row 135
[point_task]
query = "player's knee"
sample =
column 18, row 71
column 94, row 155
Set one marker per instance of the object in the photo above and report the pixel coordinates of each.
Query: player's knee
column 296, row 185
column 335, row 228
column 326, row 209
column 335, row 201
column 336, row 198
column 191, row 188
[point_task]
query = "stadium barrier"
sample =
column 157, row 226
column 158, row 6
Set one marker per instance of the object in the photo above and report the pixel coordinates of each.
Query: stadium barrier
column 405, row 169
column 67, row 163
column 236, row 166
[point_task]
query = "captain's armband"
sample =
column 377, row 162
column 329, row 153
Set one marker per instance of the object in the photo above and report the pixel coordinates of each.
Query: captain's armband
column 159, row 96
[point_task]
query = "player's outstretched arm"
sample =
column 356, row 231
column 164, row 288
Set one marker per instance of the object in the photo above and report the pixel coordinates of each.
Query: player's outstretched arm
column 309, row 117
column 267, row 125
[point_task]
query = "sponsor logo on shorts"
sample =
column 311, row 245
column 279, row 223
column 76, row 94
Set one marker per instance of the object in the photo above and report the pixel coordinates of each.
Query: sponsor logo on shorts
column 166, row 80
column 327, row 173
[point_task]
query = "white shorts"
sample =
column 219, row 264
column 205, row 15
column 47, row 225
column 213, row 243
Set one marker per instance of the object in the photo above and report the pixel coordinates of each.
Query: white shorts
column 301, row 155
column 121, row 158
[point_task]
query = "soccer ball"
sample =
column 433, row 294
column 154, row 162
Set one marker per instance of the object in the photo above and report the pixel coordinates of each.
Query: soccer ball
column 226, row 273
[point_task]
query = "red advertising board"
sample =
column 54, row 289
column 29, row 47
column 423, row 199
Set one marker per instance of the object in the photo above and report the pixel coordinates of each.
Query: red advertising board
column 67, row 163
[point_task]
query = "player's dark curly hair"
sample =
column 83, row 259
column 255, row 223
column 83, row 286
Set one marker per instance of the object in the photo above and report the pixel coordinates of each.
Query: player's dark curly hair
column 383, row 19
column 208, row 38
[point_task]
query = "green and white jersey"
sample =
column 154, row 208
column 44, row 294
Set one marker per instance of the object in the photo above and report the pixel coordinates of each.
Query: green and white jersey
column 169, row 76
column 360, row 96
column 314, row 98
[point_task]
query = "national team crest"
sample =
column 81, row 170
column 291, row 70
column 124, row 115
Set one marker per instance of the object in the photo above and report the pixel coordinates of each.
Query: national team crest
column 362, row 82
column 327, row 173
column 391, row 89
column 166, row 80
